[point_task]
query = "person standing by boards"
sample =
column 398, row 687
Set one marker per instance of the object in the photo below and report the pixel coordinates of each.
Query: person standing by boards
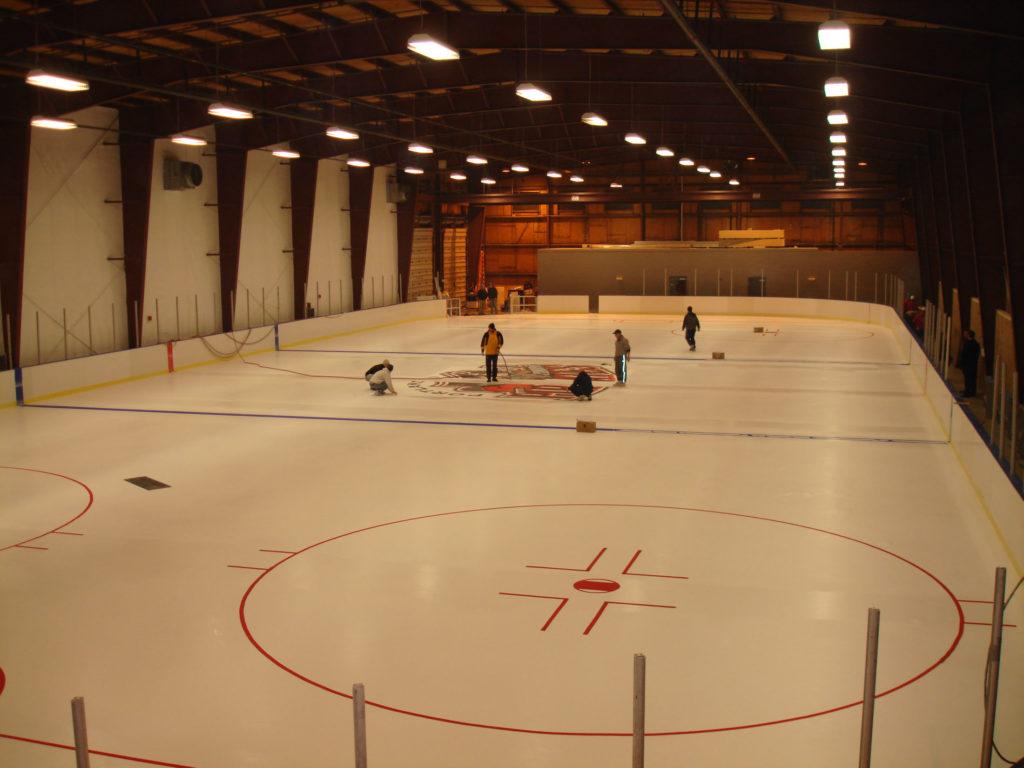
column 490, row 346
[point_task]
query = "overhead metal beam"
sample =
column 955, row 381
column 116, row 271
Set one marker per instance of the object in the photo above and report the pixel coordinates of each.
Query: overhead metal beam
column 677, row 15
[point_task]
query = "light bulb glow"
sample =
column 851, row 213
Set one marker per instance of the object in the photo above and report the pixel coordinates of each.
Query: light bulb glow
column 833, row 35
column 837, row 117
column 838, row 137
column 337, row 132
column 476, row 160
column 734, row 182
column 838, row 151
column 576, row 178
column 685, row 161
column 427, row 46
column 226, row 110
column 664, row 152
column 554, row 175
column 457, row 176
column 414, row 170
column 532, row 92
column 189, row 141
column 43, row 79
column 487, row 180
column 54, row 123
column 715, row 175
column 615, row 185
column 421, row 149
column 358, row 162
column 520, row 168
column 837, row 86
column 285, row 153
column 592, row 118
column 635, row 138
column 703, row 169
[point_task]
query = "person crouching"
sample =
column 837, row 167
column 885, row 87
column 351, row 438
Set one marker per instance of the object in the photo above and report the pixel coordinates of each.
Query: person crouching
column 380, row 379
column 582, row 386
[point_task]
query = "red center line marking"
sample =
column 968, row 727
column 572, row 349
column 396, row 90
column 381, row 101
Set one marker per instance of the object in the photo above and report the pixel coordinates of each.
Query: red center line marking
column 92, row 751
column 26, row 546
column 249, row 567
column 561, row 605
column 627, row 572
column 987, row 624
column 578, row 570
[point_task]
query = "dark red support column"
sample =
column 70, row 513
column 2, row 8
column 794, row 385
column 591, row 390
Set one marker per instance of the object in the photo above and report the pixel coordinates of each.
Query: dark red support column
column 230, row 202
column 303, row 183
column 15, row 140
column 360, row 188
column 136, row 155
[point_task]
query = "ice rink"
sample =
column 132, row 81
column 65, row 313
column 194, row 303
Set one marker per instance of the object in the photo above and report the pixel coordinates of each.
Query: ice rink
column 488, row 572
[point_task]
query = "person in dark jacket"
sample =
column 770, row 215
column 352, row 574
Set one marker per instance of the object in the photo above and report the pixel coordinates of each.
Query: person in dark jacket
column 691, row 325
column 582, row 386
column 970, row 352
column 492, row 299
column 490, row 346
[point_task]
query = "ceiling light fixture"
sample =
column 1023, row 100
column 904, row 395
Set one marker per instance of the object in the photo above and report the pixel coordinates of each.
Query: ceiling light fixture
column 685, row 161
column 838, row 137
column 837, row 117
column 576, row 178
column 635, row 138
column 54, row 123
column 45, row 79
column 554, row 175
column 457, row 176
column 837, row 86
column 833, row 35
column 414, row 170
column 425, row 45
column 520, row 168
column 615, row 185
column 421, row 149
column 838, row 162
column 862, row 163
column 219, row 109
column 664, row 152
column 840, row 183
column 357, row 162
column 476, row 160
column 337, row 132
column 715, row 175
column 838, row 151
column 285, row 153
column 734, row 182
column 592, row 118
column 189, row 141
column 487, row 180
column 532, row 92
column 703, row 169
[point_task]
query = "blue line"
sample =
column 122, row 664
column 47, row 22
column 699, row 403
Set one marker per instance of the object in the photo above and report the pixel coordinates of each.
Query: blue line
column 762, row 435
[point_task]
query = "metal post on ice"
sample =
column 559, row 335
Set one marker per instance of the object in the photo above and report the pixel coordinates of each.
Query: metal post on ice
column 992, row 668
column 359, row 720
column 81, row 738
column 870, row 669
column 639, row 707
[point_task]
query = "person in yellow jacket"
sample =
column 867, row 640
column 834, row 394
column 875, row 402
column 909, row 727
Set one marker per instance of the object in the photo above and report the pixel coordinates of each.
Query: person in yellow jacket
column 490, row 346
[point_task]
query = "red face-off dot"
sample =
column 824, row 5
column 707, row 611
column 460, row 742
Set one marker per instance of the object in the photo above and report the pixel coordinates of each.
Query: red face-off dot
column 596, row 585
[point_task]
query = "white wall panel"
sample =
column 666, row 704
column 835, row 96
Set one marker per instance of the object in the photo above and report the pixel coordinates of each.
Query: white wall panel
column 380, row 281
column 329, row 289
column 182, row 293
column 74, row 286
column 264, row 293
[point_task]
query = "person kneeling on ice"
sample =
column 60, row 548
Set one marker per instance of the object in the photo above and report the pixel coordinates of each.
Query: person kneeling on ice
column 380, row 381
column 374, row 368
column 582, row 386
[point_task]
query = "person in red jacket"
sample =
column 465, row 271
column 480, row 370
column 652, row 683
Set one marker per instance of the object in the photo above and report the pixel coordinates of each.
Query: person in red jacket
column 490, row 346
